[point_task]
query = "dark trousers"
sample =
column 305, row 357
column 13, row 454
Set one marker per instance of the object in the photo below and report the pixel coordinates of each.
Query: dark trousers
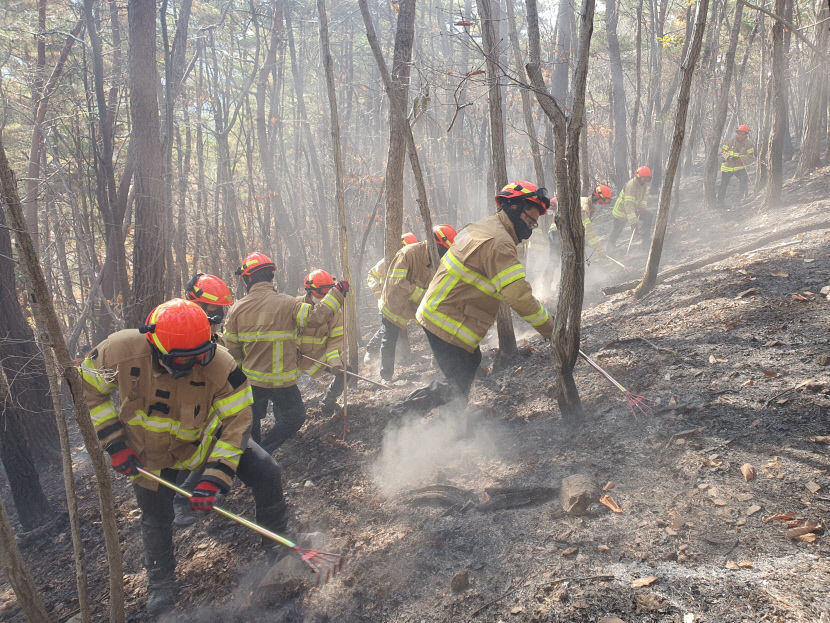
column 458, row 365
column 334, row 390
column 257, row 469
column 373, row 345
column 289, row 414
column 726, row 176
column 644, row 225
column 391, row 334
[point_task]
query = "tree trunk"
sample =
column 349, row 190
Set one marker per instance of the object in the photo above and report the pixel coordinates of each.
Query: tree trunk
column 351, row 307
column 815, row 115
column 713, row 150
column 621, row 171
column 780, row 86
column 498, row 159
column 40, row 293
column 566, row 327
column 687, row 69
column 635, row 115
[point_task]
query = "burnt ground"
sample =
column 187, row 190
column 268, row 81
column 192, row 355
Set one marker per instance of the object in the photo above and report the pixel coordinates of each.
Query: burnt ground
column 733, row 377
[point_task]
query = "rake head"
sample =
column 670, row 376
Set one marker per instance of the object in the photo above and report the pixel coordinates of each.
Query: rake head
column 638, row 403
column 324, row 564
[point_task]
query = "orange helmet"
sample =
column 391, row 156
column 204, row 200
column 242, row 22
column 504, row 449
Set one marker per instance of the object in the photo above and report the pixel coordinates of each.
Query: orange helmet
column 253, row 262
column 179, row 333
column 554, row 203
column 444, row 235
column 601, row 194
column 208, row 289
column 408, row 238
column 524, row 190
column 643, row 173
column 743, row 129
column 318, row 283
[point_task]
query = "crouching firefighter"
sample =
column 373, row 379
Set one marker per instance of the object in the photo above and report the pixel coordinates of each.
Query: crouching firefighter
column 324, row 343
column 480, row 270
column 184, row 405
column 261, row 333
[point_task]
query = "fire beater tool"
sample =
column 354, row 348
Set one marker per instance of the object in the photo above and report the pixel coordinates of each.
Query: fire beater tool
column 635, row 402
column 350, row 373
column 325, row 564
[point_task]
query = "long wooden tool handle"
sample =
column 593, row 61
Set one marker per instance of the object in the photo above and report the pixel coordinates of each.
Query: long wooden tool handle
column 350, row 373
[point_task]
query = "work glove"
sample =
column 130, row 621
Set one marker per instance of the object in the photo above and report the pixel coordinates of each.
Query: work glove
column 204, row 496
column 343, row 286
column 123, row 458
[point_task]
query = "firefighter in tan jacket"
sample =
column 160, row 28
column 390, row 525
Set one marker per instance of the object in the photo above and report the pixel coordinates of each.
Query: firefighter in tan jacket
column 408, row 276
column 375, row 280
column 480, row 270
column 184, row 405
column 322, row 344
column 630, row 207
column 261, row 333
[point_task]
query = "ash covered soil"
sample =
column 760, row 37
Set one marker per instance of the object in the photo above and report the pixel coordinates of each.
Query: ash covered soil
column 454, row 517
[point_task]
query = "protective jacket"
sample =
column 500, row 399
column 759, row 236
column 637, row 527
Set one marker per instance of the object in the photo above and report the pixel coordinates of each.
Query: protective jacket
column 737, row 154
column 376, row 277
column 591, row 238
column 479, row 271
column 261, row 332
column 631, row 201
column 201, row 419
column 323, row 343
column 406, row 281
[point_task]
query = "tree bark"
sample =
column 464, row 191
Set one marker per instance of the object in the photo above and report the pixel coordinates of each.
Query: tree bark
column 635, row 115
column 779, row 81
column 687, row 69
column 815, row 114
column 621, row 170
column 40, row 294
column 498, row 159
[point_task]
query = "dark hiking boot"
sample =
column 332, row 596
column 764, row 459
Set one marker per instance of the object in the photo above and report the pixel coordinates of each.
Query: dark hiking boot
column 161, row 598
column 184, row 514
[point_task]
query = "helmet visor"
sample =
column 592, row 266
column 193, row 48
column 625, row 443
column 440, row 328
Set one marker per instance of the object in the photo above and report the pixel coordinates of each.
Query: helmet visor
column 182, row 360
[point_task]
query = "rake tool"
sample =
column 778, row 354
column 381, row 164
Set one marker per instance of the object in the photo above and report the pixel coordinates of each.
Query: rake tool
column 635, row 402
column 349, row 372
column 323, row 563
column 618, row 263
column 630, row 240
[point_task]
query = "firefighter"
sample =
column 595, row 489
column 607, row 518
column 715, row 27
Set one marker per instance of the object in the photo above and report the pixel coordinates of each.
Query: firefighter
column 213, row 295
column 630, row 207
column 323, row 343
column 601, row 195
column 375, row 281
column 408, row 276
column 736, row 155
column 184, row 405
column 261, row 333
column 480, row 270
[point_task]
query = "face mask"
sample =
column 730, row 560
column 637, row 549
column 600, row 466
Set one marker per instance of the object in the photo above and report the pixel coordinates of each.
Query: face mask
column 514, row 213
column 217, row 317
column 442, row 250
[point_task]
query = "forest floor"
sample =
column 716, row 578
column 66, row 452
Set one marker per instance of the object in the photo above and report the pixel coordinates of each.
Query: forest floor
column 456, row 516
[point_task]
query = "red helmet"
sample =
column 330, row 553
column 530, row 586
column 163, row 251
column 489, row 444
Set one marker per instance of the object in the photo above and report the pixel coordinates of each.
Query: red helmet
column 254, row 262
column 601, row 194
column 318, row 283
column 444, row 235
column 179, row 332
column 554, row 203
column 524, row 190
column 743, row 129
column 643, row 173
column 208, row 289
column 408, row 238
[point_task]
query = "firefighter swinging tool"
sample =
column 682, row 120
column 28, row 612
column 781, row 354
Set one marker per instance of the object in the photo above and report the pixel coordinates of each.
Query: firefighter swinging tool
column 323, row 563
column 635, row 403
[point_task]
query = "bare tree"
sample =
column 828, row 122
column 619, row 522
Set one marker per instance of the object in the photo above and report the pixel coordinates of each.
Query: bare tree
column 688, row 68
column 621, row 170
column 815, row 114
column 567, row 130
column 779, row 86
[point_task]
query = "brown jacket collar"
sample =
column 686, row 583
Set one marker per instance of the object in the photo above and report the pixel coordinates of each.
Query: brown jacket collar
column 508, row 225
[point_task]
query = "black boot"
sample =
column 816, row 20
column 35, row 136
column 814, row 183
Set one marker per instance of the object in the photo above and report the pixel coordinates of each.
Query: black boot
column 275, row 518
column 160, row 564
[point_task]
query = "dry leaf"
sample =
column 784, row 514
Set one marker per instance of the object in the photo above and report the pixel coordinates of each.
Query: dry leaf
column 609, row 485
column 813, row 486
column 774, row 343
column 798, row 297
column 517, row 370
column 719, row 502
column 713, row 359
column 731, row 325
column 745, row 564
column 517, row 610
column 746, row 293
column 731, row 564
column 748, row 383
column 809, row 526
column 646, row 581
column 748, row 471
column 607, row 500
column 779, row 273
column 603, row 548
column 780, row 517
column 810, row 537
column 570, row 551
column 820, row 438
column 771, row 373
column 752, row 510
column 744, row 497
column 782, row 401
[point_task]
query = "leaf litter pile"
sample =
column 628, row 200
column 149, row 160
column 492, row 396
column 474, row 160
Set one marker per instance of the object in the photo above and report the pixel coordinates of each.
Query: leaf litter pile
column 714, row 508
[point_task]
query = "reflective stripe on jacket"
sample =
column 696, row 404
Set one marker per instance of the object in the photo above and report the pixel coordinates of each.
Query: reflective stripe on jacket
column 631, row 200
column 408, row 276
column 591, row 237
column 261, row 332
column 201, row 419
column 376, row 277
column 323, row 343
column 479, row 271
column 737, row 154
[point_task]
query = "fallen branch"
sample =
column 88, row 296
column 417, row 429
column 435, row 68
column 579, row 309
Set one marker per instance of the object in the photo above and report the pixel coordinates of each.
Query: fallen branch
column 512, row 589
column 717, row 257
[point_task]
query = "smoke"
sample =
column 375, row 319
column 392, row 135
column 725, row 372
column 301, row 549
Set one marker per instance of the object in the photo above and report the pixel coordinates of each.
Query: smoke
column 416, row 451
